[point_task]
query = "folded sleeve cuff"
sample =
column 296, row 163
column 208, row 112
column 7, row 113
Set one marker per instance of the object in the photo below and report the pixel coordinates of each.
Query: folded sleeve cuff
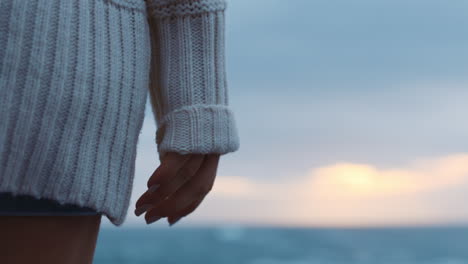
column 188, row 84
column 200, row 129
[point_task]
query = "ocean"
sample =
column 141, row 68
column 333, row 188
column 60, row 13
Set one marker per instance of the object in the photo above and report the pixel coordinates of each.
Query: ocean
column 253, row 245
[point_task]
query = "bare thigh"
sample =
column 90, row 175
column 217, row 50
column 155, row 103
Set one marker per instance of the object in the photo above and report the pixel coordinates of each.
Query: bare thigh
column 48, row 239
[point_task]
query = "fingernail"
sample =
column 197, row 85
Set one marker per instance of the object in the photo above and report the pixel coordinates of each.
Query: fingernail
column 152, row 219
column 153, row 188
column 174, row 221
column 142, row 209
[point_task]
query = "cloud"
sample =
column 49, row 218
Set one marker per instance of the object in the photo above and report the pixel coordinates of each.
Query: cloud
column 427, row 191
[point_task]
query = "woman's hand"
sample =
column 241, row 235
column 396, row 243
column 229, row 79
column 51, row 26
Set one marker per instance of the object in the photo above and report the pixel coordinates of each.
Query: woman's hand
column 178, row 186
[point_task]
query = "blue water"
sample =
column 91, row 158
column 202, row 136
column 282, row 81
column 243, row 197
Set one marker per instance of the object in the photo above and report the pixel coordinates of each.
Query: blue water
column 282, row 246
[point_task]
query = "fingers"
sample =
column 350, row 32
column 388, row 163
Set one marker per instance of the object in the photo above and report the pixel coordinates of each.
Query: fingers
column 172, row 162
column 172, row 181
column 187, row 198
column 186, row 211
column 167, row 169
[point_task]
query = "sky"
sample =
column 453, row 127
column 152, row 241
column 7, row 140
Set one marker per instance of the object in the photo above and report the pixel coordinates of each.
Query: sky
column 349, row 113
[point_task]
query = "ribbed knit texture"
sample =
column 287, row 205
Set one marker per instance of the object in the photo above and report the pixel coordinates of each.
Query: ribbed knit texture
column 74, row 80
column 188, row 81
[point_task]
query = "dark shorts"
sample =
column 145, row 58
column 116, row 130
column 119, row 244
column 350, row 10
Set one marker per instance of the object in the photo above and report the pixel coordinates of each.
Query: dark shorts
column 25, row 205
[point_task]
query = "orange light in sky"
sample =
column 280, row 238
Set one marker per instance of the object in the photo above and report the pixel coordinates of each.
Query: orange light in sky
column 348, row 194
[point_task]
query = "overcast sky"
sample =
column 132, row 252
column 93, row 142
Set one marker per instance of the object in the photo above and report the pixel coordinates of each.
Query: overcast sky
column 349, row 113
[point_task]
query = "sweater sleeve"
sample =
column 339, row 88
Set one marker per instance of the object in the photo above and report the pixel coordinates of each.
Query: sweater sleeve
column 188, row 86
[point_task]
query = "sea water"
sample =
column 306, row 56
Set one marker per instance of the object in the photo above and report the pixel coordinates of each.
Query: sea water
column 237, row 245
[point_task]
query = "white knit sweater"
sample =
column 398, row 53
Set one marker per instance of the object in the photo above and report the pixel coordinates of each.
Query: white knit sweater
column 74, row 79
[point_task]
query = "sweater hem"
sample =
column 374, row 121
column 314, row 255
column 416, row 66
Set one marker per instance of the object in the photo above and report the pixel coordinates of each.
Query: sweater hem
column 114, row 218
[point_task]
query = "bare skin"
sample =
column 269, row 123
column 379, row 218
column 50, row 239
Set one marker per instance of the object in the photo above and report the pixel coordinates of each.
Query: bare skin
column 184, row 179
column 181, row 183
column 48, row 239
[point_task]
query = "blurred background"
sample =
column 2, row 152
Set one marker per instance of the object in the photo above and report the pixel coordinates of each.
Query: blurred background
column 352, row 117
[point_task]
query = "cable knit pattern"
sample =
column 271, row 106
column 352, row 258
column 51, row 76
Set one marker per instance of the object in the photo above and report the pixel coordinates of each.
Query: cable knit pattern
column 188, row 84
column 74, row 80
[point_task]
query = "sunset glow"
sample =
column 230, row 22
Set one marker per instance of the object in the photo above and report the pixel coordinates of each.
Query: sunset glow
column 352, row 195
